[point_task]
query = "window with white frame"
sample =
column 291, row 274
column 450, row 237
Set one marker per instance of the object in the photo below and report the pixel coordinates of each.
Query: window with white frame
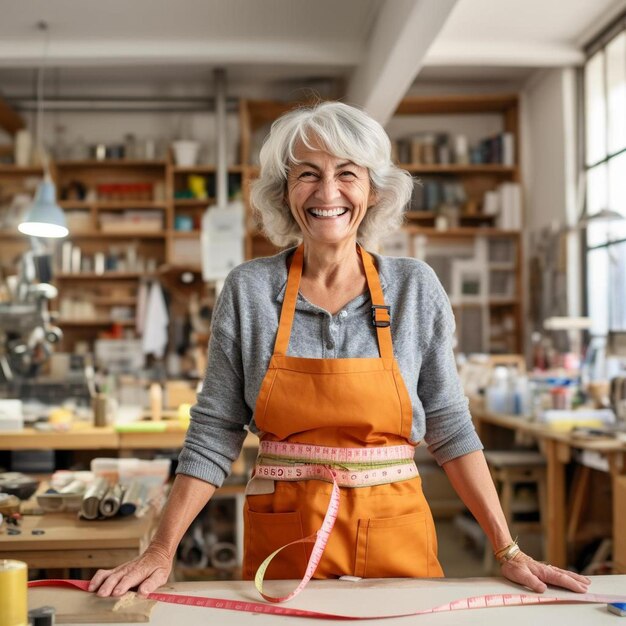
column 605, row 167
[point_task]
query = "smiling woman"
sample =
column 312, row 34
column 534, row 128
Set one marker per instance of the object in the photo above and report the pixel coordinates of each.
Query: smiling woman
column 331, row 135
column 341, row 361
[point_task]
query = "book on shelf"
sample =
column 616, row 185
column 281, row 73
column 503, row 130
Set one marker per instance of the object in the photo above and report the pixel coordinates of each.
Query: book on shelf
column 498, row 149
column 439, row 148
column 131, row 221
column 425, row 148
column 505, row 202
column 510, row 214
column 429, row 194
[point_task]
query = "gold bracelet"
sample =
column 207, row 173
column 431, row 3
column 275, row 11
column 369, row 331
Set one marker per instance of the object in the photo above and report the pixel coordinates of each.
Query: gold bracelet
column 507, row 553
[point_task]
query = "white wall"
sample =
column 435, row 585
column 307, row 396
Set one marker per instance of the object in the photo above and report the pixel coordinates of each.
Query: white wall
column 549, row 163
column 548, row 144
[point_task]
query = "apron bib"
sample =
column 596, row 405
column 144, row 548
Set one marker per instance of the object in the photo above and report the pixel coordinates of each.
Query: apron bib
column 381, row 531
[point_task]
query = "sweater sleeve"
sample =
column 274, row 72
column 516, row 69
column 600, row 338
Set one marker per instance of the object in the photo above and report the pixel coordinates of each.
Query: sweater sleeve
column 450, row 431
column 216, row 431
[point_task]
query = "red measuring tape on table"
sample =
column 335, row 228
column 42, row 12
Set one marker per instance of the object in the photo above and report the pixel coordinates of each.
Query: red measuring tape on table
column 475, row 602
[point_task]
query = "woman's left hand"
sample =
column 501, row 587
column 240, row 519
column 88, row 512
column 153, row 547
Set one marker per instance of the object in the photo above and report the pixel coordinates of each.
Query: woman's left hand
column 535, row 575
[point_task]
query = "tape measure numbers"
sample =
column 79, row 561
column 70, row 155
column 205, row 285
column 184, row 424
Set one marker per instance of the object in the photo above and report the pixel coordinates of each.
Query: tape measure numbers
column 345, row 467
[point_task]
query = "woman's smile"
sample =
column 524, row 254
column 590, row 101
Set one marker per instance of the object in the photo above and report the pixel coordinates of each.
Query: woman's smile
column 328, row 213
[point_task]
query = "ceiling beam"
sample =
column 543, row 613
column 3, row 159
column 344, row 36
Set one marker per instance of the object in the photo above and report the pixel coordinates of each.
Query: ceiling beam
column 402, row 34
column 9, row 119
column 502, row 54
column 217, row 52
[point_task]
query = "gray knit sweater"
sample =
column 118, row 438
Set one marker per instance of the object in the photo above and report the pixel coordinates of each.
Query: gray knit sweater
column 244, row 327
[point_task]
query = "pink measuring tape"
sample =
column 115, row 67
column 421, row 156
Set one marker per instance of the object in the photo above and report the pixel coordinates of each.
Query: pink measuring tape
column 350, row 467
column 475, row 602
column 346, row 467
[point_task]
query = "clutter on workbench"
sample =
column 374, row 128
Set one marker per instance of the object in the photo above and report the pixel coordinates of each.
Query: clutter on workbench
column 18, row 484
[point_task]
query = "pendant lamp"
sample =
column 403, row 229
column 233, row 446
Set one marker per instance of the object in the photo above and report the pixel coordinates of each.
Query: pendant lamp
column 45, row 217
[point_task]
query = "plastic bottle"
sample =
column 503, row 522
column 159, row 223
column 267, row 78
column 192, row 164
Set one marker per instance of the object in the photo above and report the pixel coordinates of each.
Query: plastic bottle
column 497, row 396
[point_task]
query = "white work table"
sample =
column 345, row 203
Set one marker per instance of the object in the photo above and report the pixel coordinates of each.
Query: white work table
column 372, row 597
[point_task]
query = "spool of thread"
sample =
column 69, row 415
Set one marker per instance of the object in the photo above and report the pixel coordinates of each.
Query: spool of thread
column 13, row 593
column 100, row 410
column 156, row 401
column 43, row 616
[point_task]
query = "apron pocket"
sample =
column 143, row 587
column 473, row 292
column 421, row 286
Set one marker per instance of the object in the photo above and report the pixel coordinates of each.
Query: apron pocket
column 266, row 532
column 393, row 547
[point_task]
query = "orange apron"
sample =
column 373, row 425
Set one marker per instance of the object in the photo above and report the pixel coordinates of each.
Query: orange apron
column 382, row 530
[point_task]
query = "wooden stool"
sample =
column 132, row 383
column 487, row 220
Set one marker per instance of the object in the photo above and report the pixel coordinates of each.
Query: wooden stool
column 509, row 469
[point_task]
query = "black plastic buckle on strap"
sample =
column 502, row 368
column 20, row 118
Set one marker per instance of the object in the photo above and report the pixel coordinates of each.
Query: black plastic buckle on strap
column 381, row 323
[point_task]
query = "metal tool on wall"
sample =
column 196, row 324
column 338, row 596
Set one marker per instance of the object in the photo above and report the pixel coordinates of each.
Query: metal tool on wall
column 26, row 331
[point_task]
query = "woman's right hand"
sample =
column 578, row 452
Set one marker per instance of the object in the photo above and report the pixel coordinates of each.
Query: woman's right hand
column 147, row 572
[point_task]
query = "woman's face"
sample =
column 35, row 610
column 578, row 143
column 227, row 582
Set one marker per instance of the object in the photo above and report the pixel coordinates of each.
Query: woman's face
column 328, row 196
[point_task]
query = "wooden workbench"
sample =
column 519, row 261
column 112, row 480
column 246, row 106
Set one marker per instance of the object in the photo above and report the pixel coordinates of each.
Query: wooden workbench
column 373, row 597
column 557, row 447
column 69, row 542
column 83, row 437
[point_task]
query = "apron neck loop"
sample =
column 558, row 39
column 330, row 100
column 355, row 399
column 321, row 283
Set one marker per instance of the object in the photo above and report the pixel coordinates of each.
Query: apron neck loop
column 379, row 309
column 289, row 302
column 380, row 313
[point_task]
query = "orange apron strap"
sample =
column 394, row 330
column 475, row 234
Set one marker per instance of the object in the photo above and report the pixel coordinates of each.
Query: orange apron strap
column 289, row 303
column 380, row 312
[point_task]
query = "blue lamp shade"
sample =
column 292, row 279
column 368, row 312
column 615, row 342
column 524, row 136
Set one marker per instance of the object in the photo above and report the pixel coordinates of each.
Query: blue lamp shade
column 46, row 217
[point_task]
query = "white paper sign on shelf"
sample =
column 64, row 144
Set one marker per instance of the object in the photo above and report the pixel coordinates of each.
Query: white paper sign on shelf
column 222, row 240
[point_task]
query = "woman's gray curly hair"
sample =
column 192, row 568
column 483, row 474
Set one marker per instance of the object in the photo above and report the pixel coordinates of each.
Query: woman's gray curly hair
column 347, row 133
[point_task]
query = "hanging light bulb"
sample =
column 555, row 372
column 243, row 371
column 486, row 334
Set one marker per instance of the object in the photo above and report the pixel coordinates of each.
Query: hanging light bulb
column 45, row 217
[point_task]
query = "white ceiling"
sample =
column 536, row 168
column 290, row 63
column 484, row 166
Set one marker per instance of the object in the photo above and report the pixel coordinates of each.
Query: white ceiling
column 524, row 22
column 377, row 47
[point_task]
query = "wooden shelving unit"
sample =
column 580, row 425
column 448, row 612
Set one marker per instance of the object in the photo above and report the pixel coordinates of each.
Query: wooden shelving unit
column 117, row 205
column 465, row 231
column 106, row 164
column 256, row 116
column 502, row 321
column 181, row 213
column 105, row 276
column 194, row 202
column 460, row 170
column 94, row 322
column 13, row 180
column 130, row 234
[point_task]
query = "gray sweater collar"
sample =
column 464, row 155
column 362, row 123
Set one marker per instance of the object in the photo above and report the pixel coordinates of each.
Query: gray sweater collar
column 302, row 304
